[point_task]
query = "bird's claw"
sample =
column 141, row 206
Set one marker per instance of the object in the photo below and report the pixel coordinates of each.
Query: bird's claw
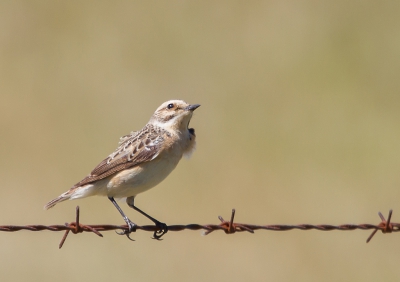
column 163, row 228
column 131, row 228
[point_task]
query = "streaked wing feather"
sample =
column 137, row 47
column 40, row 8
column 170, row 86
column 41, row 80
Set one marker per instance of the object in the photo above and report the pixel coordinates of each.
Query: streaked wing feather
column 124, row 138
column 136, row 148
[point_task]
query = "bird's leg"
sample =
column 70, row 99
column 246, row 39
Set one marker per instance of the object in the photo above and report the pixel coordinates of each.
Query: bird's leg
column 163, row 228
column 131, row 225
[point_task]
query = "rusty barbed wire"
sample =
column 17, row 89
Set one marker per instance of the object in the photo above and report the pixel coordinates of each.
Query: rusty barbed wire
column 229, row 227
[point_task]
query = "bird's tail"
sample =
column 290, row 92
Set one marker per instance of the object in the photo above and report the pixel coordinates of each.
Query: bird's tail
column 63, row 197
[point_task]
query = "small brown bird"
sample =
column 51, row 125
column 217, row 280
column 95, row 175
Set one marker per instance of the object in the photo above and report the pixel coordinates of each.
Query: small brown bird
column 142, row 160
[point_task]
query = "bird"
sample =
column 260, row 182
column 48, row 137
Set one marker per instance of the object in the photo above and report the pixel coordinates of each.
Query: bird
column 142, row 160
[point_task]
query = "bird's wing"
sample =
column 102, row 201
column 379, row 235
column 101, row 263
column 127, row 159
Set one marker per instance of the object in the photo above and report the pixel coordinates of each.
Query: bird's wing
column 136, row 148
column 127, row 137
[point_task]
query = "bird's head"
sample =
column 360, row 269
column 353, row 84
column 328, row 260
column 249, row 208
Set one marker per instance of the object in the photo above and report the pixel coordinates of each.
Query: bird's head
column 174, row 115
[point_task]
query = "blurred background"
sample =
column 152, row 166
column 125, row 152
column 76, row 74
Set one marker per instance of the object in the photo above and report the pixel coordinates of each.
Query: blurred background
column 299, row 123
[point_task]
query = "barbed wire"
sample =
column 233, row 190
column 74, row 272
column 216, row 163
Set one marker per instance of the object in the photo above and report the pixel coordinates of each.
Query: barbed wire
column 229, row 227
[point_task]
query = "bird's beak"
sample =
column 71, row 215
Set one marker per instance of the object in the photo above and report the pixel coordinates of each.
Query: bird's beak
column 192, row 107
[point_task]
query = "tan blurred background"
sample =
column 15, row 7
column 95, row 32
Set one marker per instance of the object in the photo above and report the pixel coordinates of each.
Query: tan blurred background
column 299, row 123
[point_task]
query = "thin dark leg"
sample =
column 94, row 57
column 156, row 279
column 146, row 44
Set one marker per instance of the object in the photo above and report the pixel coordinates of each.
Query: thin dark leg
column 163, row 228
column 131, row 225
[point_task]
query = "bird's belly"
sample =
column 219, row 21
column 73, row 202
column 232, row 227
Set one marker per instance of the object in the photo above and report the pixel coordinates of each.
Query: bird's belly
column 140, row 178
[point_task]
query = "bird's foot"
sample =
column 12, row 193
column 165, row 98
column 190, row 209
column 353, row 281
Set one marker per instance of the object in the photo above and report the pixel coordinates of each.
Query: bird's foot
column 163, row 228
column 131, row 228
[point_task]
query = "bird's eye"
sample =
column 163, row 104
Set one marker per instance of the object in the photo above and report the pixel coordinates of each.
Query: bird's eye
column 170, row 106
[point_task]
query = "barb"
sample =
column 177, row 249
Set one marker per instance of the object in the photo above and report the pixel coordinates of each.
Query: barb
column 229, row 227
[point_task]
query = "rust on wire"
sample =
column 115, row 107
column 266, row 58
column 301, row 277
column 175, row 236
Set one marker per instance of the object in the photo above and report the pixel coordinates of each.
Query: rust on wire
column 76, row 228
column 229, row 227
column 385, row 225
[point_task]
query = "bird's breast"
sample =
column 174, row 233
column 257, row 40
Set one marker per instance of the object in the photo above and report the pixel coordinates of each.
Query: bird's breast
column 142, row 177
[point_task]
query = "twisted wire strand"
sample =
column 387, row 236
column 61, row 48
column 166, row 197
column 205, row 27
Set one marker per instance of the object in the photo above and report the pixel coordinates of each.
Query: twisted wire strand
column 229, row 227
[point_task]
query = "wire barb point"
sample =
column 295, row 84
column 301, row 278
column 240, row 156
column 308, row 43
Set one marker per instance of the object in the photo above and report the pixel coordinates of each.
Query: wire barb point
column 76, row 227
column 385, row 226
column 230, row 227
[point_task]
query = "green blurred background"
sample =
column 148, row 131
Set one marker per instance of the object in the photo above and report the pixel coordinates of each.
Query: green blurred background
column 299, row 123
